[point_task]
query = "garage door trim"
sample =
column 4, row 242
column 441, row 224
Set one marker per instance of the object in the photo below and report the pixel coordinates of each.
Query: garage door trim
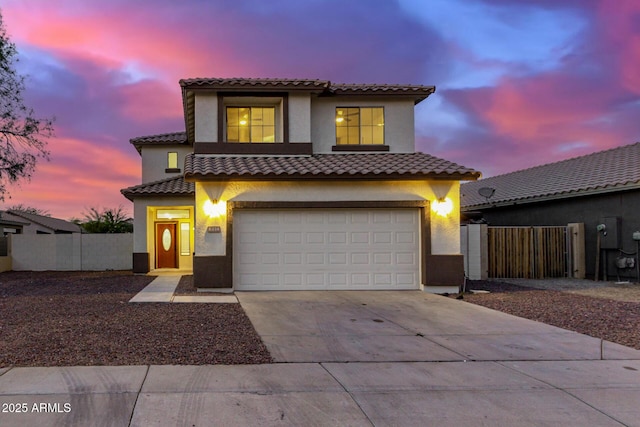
column 222, row 266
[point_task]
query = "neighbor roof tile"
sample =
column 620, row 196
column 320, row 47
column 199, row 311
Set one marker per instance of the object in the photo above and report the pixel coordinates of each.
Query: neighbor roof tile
column 594, row 173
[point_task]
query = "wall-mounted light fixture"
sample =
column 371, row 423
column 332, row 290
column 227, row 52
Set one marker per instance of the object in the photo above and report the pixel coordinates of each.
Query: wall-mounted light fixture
column 215, row 208
column 442, row 206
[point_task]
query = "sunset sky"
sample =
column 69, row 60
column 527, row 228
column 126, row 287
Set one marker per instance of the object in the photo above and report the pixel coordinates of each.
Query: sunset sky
column 519, row 82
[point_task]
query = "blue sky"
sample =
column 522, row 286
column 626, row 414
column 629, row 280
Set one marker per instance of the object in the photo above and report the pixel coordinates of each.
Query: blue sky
column 519, row 82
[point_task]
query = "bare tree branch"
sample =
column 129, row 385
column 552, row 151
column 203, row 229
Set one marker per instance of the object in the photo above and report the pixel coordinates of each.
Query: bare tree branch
column 23, row 137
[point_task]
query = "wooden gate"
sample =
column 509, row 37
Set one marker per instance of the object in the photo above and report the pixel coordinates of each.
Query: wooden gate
column 529, row 252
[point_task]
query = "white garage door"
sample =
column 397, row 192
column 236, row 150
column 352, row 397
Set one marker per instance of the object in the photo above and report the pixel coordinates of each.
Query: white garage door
column 318, row 249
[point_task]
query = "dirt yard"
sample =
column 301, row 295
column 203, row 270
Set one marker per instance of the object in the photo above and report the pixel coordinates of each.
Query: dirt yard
column 84, row 318
column 604, row 310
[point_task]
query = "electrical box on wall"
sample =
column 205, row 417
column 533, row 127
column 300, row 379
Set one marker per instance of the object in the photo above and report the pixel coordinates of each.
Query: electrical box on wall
column 611, row 239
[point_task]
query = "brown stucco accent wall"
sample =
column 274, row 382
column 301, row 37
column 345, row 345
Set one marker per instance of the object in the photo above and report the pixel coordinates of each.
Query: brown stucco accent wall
column 141, row 262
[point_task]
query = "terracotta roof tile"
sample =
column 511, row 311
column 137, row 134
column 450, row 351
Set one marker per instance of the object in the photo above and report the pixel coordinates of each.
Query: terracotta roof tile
column 167, row 187
column 160, row 139
column 418, row 91
column 382, row 89
column 386, row 165
column 244, row 83
column 594, row 173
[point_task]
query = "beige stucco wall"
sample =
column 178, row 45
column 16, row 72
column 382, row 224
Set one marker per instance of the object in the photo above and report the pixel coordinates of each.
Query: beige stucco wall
column 445, row 233
column 398, row 122
column 144, row 219
column 154, row 161
column 206, row 118
column 312, row 119
column 299, row 117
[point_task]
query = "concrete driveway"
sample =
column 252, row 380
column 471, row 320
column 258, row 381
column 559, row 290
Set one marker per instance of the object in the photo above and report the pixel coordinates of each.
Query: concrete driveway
column 354, row 358
column 407, row 326
column 410, row 358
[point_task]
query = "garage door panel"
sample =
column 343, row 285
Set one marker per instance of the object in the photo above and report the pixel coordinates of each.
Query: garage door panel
column 292, row 258
column 360, row 237
column 246, row 237
column 338, row 237
column 270, row 238
column 326, row 249
column 316, row 258
column 338, row 258
column 315, row 238
column 270, row 258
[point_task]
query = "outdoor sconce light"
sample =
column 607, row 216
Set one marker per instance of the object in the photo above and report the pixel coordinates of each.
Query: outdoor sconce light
column 442, row 206
column 215, row 208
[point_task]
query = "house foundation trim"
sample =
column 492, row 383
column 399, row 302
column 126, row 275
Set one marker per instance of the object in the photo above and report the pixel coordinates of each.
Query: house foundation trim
column 217, row 271
column 214, row 271
column 141, row 262
column 444, row 270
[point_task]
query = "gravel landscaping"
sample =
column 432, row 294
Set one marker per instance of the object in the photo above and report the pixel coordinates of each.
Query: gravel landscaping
column 84, row 318
column 585, row 308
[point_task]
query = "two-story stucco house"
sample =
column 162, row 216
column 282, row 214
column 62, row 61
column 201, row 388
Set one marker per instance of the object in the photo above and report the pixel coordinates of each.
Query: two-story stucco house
column 298, row 184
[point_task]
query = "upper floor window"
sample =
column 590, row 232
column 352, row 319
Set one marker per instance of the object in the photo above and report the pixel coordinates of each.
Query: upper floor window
column 359, row 126
column 251, row 124
column 172, row 160
column 172, row 163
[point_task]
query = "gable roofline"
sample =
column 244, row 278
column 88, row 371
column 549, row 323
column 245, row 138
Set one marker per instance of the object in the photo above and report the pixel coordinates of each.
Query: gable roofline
column 318, row 87
column 55, row 224
column 172, row 138
column 612, row 170
column 11, row 222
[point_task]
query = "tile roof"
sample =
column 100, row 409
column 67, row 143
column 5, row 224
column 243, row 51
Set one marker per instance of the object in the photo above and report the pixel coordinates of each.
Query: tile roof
column 176, row 186
column 383, row 89
column 244, row 83
column 55, row 224
column 604, row 171
column 160, row 139
column 418, row 91
column 317, row 166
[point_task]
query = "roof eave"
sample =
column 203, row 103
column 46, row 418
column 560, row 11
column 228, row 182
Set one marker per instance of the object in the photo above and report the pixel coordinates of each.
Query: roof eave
column 195, row 177
column 551, row 197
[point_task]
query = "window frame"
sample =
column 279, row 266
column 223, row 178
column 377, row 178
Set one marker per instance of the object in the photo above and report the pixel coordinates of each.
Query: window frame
column 251, row 125
column 278, row 100
column 169, row 168
column 360, row 127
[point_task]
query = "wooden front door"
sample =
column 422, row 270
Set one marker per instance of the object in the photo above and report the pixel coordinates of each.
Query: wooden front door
column 166, row 246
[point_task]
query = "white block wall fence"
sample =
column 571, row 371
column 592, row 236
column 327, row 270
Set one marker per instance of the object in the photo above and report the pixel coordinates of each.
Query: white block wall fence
column 71, row 252
column 473, row 245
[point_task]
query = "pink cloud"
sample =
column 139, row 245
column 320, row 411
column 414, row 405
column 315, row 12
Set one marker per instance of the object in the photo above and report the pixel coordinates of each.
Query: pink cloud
column 620, row 24
column 135, row 34
column 79, row 175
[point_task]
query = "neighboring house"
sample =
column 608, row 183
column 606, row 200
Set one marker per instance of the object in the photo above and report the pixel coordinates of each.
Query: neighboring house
column 298, row 184
column 28, row 223
column 9, row 225
column 599, row 188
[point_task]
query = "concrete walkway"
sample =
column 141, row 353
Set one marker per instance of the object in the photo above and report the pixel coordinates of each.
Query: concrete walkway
column 163, row 287
column 356, row 358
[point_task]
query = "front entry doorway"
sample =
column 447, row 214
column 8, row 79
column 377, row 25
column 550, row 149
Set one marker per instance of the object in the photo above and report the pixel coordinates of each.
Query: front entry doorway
column 166, row 245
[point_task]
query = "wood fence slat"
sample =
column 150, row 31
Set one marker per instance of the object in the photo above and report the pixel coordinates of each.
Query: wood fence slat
column 527, row 252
